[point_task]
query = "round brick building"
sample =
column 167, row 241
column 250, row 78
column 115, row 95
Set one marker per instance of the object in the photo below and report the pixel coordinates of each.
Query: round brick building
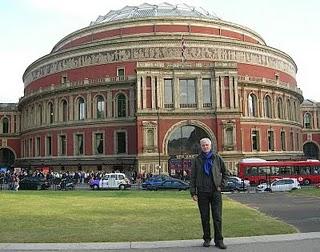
column 138, row 88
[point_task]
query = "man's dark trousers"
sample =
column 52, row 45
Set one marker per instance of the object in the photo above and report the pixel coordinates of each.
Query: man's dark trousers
column 213, row 200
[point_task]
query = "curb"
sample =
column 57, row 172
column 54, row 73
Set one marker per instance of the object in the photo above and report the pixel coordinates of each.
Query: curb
column 152, row 244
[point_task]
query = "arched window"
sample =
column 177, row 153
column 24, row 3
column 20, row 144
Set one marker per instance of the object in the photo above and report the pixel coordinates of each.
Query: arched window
column 81, row 109
column 267, row 106
column 252, row 105
column 280, row 108
column 65, row 113
column 121, row 106
column 5, row 125
column 307, row 119
column 100, row 107
column 51, row 112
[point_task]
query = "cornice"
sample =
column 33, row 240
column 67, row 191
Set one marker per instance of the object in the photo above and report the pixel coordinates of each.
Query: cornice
column 78, row 125
column 255, row 82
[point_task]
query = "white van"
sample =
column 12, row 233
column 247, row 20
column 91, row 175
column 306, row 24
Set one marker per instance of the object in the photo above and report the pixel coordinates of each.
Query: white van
column 114, row 181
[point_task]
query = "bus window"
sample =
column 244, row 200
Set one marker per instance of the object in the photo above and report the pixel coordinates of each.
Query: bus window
column 296, row 170
column 264, row 170
column 286, row 170
column 305, row 170
column 275, row 171
column 251, row 171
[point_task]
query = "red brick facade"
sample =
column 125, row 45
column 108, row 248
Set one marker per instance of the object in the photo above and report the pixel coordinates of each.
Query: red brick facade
column 122, row 95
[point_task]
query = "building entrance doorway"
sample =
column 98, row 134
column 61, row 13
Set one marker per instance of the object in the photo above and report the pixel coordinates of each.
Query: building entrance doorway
column 311, row 150
column 183, row 145
column 7, row 157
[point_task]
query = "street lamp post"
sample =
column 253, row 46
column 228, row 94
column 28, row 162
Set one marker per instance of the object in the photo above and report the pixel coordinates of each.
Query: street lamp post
column 158, row 133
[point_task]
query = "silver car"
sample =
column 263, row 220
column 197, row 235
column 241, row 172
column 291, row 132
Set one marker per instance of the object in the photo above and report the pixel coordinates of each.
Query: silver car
column 280, row 185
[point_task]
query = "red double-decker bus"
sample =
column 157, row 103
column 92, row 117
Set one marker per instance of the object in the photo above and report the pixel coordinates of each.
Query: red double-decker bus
column 259, row 171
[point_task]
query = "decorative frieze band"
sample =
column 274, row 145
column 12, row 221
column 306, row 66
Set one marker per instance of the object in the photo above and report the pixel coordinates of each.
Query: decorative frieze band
column 161, row 53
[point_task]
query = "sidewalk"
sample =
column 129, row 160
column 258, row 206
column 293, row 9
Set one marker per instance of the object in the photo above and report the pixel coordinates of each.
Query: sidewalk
column 168, row 245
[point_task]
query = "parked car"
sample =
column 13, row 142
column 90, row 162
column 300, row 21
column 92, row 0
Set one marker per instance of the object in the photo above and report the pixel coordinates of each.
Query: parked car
column 155, row 180
column 239, row 180
column 233, row 185
column 111, row 181
column 280, row 185
column 169, row 184
column 33, row 183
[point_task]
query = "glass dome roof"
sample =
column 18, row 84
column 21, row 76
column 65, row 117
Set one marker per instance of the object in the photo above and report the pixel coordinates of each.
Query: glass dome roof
column 150, row 10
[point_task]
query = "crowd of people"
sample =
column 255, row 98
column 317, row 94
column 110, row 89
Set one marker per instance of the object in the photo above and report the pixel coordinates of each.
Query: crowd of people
column 10, row 179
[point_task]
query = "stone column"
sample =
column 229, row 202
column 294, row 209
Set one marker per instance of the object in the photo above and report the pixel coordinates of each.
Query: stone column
column 18, row 123
column 11, row 129
column 71, row 108
column 109, row 104
column 245, row 102
column 144, row 91
column 218, row 92
column 160, row 88
column 199, row 93
column 314, row 117
column 56, row 110
column 261, row 107
column 131, row 101
column 231, row 91
column 89, row 106
column 153, row 93
column 138, row 92
column 176, row 98
column 236, row 92
column 223, row 96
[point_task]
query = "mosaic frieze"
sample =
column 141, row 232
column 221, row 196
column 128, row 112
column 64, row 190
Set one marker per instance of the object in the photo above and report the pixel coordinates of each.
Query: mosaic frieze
column 161, row 53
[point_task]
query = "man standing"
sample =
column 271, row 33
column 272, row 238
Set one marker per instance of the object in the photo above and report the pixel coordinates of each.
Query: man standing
column 208, row 174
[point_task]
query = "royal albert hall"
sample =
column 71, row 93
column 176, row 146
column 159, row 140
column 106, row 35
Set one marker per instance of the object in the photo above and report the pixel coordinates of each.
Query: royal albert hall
column 139, row 87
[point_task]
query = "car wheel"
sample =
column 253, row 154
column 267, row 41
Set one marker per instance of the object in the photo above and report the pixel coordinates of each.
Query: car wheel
column 121, row 187
column 268, row 190
column 306, row 182
column 95, row 187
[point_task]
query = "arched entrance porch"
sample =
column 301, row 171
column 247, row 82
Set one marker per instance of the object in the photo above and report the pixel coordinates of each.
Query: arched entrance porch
column 183, row 145
column 7, row 158
column 311, row 150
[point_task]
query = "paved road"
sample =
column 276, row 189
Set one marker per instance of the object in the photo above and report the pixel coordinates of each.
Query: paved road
column 303, row 212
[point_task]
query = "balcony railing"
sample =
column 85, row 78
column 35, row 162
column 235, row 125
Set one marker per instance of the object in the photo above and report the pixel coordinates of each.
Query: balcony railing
column 188, row 105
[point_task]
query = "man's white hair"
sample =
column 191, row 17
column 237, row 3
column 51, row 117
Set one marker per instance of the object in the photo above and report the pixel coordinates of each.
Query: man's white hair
column 205, row 140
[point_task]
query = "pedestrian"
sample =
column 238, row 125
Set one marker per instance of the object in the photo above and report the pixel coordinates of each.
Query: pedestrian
column 16, row 182
column 208, row 174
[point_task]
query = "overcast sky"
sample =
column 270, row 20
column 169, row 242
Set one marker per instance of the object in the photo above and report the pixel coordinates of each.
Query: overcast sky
column 30, row 29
